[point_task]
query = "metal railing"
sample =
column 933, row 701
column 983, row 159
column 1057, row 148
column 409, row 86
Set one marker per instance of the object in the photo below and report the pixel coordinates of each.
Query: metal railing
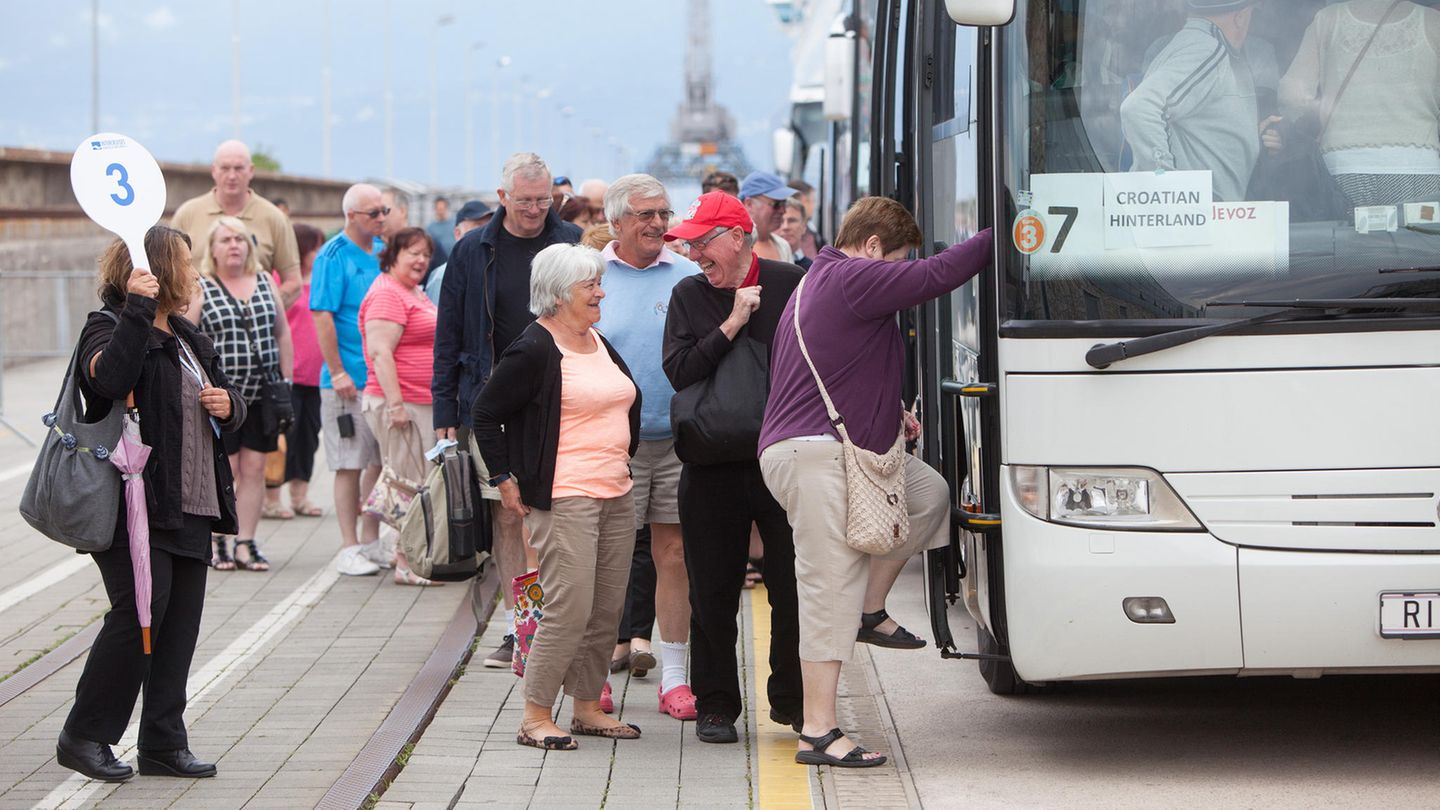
column 41, row 314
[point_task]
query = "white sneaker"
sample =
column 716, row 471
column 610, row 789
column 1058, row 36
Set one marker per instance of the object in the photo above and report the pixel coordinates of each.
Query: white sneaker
column 352, row 563
column 375, row 554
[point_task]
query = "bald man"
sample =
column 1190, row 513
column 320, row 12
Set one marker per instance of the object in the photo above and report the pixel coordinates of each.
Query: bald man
column 271, row 233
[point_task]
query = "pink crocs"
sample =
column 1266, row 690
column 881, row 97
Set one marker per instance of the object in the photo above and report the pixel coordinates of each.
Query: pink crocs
column 607, row 700
column 679, row 702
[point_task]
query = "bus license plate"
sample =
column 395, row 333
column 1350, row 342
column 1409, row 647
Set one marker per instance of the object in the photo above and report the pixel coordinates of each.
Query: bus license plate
column 1410, row 615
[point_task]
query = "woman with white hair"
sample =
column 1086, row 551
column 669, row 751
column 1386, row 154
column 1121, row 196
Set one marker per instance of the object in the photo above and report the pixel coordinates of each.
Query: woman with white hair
column 240, row 310
column 556, row 425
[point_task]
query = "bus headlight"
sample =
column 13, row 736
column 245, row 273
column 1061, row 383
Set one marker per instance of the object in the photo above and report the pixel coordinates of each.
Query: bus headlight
column 1101, row 497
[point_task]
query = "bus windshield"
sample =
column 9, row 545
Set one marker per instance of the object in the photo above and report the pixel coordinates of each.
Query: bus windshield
column 1160, row 155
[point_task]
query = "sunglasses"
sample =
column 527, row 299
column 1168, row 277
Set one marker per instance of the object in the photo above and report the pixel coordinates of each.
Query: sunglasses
column 562, row 180
column 375, row 213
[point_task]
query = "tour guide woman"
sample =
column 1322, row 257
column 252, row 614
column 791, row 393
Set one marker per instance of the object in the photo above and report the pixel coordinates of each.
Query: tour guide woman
column 185, row 402
column 570, row 415
column 850, row 299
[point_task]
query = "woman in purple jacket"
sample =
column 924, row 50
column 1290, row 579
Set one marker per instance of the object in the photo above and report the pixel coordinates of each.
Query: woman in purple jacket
column 848, row 316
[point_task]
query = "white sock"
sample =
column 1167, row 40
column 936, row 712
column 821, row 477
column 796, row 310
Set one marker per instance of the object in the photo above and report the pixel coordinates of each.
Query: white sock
column 510, row 622
column 672, row 664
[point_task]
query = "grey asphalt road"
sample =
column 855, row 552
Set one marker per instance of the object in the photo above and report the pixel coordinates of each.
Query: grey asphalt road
column 1355, row 741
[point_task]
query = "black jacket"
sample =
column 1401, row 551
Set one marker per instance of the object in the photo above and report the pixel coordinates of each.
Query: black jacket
column 465, row 321
column 523, row 398
column 138, row 357
column 694, row 344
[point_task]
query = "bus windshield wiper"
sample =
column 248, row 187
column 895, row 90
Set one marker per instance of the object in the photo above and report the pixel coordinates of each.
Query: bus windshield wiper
column 1102, row 355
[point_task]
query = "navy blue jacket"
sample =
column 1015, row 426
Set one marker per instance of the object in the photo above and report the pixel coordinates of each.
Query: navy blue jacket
column 465, row 325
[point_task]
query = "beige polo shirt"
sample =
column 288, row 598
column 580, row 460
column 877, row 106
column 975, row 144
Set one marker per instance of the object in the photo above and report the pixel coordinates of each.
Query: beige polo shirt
column 274, row 235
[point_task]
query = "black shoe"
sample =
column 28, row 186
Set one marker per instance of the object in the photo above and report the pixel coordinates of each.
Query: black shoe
column 900, row 639
column 716, row 728
column 173, row 763
column 503, row 654
column 91, row 759
column 795, row 721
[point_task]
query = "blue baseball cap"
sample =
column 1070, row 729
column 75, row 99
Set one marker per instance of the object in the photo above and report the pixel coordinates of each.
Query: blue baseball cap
column 764, row 184
column 472, row 210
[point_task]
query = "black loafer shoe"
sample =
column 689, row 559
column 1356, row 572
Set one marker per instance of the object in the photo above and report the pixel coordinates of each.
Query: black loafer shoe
column 90, row 759
column 174, row 763
column 716, row 728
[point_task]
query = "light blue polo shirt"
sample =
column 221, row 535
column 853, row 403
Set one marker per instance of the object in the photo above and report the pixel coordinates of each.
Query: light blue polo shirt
column 632, row 318
column 342, row 275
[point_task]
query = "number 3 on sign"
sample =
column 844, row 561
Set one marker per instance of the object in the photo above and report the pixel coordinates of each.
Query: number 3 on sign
column 123, row 181
column 1029, row 231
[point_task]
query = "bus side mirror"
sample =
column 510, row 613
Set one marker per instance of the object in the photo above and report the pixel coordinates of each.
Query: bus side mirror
column 980, row 12
column 784, row 141
column 839, row 76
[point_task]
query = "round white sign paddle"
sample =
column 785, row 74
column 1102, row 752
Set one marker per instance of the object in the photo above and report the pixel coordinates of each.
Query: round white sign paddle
column 119, row 185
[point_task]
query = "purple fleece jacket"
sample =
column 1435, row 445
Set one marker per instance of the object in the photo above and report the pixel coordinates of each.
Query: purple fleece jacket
column 848, row 318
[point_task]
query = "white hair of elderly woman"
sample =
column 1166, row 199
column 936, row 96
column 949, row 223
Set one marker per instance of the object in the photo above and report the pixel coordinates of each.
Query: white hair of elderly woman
column 558, row 268
column 617, row 197
column 527, row 164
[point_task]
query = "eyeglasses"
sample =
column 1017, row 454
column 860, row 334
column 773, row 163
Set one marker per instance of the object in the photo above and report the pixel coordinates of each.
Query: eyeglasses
column 692, row 246
column 777, row 205
column 651, row 213
column 375, row 213
column 540, row 203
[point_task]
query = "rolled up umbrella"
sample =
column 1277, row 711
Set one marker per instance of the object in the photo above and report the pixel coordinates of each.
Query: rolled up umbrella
column 130, row 456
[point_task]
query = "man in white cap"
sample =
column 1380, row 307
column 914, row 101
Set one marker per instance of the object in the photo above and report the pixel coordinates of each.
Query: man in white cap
column 764, row 196
column 1196, row 108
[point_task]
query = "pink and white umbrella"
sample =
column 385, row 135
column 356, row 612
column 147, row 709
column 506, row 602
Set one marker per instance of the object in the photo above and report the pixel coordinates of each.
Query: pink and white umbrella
column 130, row 456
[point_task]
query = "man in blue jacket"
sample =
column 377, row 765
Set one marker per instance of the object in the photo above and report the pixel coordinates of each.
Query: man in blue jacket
column 484, row 305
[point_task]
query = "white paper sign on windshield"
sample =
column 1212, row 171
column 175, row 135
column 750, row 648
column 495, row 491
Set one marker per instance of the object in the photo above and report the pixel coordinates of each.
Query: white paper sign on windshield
column 119, row 185
column 1152, row 210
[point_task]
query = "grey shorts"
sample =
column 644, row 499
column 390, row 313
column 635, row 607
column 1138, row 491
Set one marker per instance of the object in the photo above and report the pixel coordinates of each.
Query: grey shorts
column 656, row 472
column 356, row 452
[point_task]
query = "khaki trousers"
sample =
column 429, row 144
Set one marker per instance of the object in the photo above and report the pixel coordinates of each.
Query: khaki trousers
column 808, row 479
column 584, row 546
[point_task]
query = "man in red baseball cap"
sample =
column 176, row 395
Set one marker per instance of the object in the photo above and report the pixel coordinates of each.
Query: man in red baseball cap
column 721, row 490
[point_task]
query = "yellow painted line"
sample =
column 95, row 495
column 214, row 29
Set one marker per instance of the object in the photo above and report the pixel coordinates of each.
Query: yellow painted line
column 783, row 783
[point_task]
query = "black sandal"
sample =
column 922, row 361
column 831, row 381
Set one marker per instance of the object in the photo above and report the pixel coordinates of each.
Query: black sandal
column 220, row 558
column 854, row 759
column 254, row 560
column 900, row 639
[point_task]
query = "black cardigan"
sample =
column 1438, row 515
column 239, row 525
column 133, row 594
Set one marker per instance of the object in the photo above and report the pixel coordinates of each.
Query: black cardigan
column 138, row 357
column 694, row 344
column 522, row 397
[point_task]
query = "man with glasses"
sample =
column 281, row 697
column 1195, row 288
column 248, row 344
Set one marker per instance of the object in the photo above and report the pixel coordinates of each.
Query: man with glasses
column 764, row 196
column 640, row 273
column 344, row 270
column 397, row 211
column 270, row 229
column 484, row 304
column 719, row 500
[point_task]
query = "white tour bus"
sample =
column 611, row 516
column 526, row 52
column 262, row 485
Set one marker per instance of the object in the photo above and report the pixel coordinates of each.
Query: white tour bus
column 1191, row 415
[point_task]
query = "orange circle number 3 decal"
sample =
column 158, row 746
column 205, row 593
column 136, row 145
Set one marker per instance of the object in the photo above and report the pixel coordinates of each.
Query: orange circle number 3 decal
column 1029, row 232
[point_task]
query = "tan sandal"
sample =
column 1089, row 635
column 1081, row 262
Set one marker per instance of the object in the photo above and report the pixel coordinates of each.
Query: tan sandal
column 551, row 743
column 275, row 511
column 404, row 576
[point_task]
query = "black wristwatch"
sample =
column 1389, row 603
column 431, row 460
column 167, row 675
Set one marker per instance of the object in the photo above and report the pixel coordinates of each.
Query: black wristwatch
column 497, row 480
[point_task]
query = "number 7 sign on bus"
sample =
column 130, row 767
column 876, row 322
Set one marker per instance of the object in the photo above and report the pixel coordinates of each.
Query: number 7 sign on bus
column 119, row 185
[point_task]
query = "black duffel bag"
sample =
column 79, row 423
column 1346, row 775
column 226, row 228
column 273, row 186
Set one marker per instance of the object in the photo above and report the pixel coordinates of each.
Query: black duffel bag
column 717, row 420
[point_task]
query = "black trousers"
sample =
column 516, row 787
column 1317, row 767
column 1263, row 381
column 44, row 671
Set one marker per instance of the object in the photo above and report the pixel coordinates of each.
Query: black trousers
column 639, row 617
column 118, row 669
column 717, row 505
column 303, row 438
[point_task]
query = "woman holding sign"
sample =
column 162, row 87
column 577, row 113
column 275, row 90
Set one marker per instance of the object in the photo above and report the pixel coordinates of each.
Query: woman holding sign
column 240, row 310
column 140, row 344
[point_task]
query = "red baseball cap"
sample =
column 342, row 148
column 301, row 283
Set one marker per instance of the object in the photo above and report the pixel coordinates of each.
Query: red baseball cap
column 713, row 210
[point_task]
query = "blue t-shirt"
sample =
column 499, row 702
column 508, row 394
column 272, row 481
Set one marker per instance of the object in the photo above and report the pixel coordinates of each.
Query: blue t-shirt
column 342, row 275
column 632, row 318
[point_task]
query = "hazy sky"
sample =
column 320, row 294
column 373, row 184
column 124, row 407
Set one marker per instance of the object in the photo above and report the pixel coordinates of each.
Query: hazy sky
column 165, row 78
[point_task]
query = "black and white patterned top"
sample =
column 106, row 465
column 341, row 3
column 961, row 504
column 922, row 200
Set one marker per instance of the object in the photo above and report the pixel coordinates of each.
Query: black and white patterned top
column 223, row 319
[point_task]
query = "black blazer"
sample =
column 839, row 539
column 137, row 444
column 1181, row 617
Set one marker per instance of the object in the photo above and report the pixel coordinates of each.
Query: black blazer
column 138, row 357
column 516, row 418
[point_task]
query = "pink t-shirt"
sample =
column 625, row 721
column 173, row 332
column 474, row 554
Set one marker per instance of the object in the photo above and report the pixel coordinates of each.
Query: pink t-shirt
column 389, row 300
column 592, row 459
column 302, row 333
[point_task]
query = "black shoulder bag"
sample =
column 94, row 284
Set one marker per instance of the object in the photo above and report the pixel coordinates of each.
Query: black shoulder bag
column 717, row 420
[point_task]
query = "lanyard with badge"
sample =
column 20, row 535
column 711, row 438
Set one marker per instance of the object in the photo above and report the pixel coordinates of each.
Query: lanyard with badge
column 191, row 364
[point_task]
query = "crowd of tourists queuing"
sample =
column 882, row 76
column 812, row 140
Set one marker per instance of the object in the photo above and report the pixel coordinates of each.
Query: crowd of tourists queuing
column 645, row 413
